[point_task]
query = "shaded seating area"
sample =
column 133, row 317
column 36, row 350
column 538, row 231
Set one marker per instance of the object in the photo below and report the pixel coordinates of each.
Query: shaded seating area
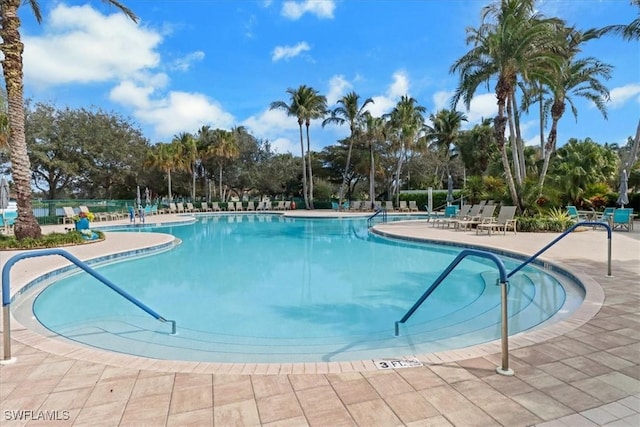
column 505, row 221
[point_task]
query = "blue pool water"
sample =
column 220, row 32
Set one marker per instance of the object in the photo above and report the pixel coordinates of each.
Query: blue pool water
column 263, row 288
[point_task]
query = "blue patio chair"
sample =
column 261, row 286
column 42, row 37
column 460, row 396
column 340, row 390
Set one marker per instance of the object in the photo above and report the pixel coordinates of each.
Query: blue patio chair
column 623, row 219
column 573, row 213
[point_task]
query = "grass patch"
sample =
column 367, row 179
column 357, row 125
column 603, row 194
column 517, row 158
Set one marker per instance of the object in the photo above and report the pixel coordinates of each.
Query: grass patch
column 52, row 240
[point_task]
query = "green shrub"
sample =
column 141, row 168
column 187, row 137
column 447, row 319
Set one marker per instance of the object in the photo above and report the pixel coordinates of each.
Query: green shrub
column 52, row 240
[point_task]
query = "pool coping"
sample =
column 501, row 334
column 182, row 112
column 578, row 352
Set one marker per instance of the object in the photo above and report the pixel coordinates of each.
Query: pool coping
column 594, row 299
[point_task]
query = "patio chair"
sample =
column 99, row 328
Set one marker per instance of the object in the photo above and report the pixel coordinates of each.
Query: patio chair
column 231, row 206
column 215, row 207
column 204, row 207
column 287, row 205
column 622, row 219
column 173, row 208
column 355, row 205
column 403, row 206
column 366, row 206
column 504, row 221
column 606, row 215
column 452, row 215
column 251, row 206
column 68, row 215
column 573, row 213
column 189, row 207
column 7, row 219
column 239, row 207
column 180, row 207
column 388, row 205
column 413, row 207
column 486, row 215
column 472, row 214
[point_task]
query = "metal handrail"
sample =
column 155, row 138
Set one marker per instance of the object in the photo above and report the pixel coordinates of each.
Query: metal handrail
column 502, row 281
column 6, row 299
column 565, row 233
column 381, row 211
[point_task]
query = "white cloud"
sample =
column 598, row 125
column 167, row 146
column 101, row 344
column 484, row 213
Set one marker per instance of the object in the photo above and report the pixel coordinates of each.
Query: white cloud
column 482, row 106
column 174, row 113
column 382, row 104
column 620, row 95
column 441, row 100
column 338, row 85
column 184, row 63
column 80, row 45
column 321, row 8
column 288, row 52
column 284, row 145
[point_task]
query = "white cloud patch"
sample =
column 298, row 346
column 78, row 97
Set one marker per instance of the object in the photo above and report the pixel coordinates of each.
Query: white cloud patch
column 338, row 86
column 321, row 8
column 174, row 113
column 382, row 104
column 80, row 45
column 441, row 100
column 288, row 52
column 482, row 106
column 620, row 95
column 185, row 63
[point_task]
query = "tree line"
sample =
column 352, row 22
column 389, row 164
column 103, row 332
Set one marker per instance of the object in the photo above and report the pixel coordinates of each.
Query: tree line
column 532, row 60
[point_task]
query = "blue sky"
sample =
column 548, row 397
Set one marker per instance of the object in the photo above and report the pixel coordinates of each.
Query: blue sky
column 189, row 63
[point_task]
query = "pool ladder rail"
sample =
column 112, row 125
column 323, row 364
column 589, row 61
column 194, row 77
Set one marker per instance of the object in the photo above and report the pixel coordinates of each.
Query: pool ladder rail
column 6, row 299
column 503, row 282
column 382, row 212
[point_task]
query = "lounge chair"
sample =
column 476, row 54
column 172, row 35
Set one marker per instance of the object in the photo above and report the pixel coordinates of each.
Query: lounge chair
column 403, row 206
column 7, row 219
column 452, row 215
column 388, row 205
column 280, row 206
column 231, row 206
column 413, row 207
column 622, row 219
column 180, row 207
column 504, row 221
column 191, row 208
column 239, row 207
column 354, row 206
column 287, row 205
column 485, row 216
column 472, row 214
column 251, row 206
column 68, row 215
column 366, row 206
column 173, row 208
column 606, row 215
column 204, row 207
column 574, row 215
column 215, row 207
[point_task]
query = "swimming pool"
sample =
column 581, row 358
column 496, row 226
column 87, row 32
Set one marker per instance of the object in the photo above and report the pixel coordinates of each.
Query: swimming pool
column 266, row 288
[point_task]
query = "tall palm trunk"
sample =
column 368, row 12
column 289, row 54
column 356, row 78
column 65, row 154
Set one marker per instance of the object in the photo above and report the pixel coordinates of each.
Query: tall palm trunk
column 310, row 169
column 519, row 141
column 372, row 173
column 500, row 124
column 304, row 169
column 26, row 225
column 169, row 183
column 193, row 183
column 557, row 110
column 346, row 172
column 513, row 142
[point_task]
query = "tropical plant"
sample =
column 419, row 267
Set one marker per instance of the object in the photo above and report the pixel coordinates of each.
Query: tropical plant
column 165, row 157
column 406, row 122
column 349, row 111
column 578, row 77
column 629, row 31
column 224, row 148
column 443, row 133
column 26, row 225
column 512, row 41
column 312, row 106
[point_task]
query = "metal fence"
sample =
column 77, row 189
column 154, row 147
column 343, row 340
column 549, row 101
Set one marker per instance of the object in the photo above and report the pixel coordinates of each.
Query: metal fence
column 51, row 211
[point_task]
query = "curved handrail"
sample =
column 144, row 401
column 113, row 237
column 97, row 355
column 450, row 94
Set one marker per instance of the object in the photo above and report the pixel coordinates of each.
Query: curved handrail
column 6, row 299
column 504, row 369
column 465, row 253
column 565, row 233
column 381, row 211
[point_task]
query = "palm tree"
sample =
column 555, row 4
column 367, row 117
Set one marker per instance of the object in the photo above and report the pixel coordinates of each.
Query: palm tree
column 292, row 110
column 348, row 111
column 224, row 148
column 26, row 225
column 188, row 149
column 579, row 77
column 628, row 32
column 444, row 131
column 512, row 40
column 312, row 106
column 165, row 157
column 406, row 121
column 374, row 133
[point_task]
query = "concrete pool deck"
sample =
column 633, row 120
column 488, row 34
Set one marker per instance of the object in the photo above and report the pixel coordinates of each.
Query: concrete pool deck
column 583, row 372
